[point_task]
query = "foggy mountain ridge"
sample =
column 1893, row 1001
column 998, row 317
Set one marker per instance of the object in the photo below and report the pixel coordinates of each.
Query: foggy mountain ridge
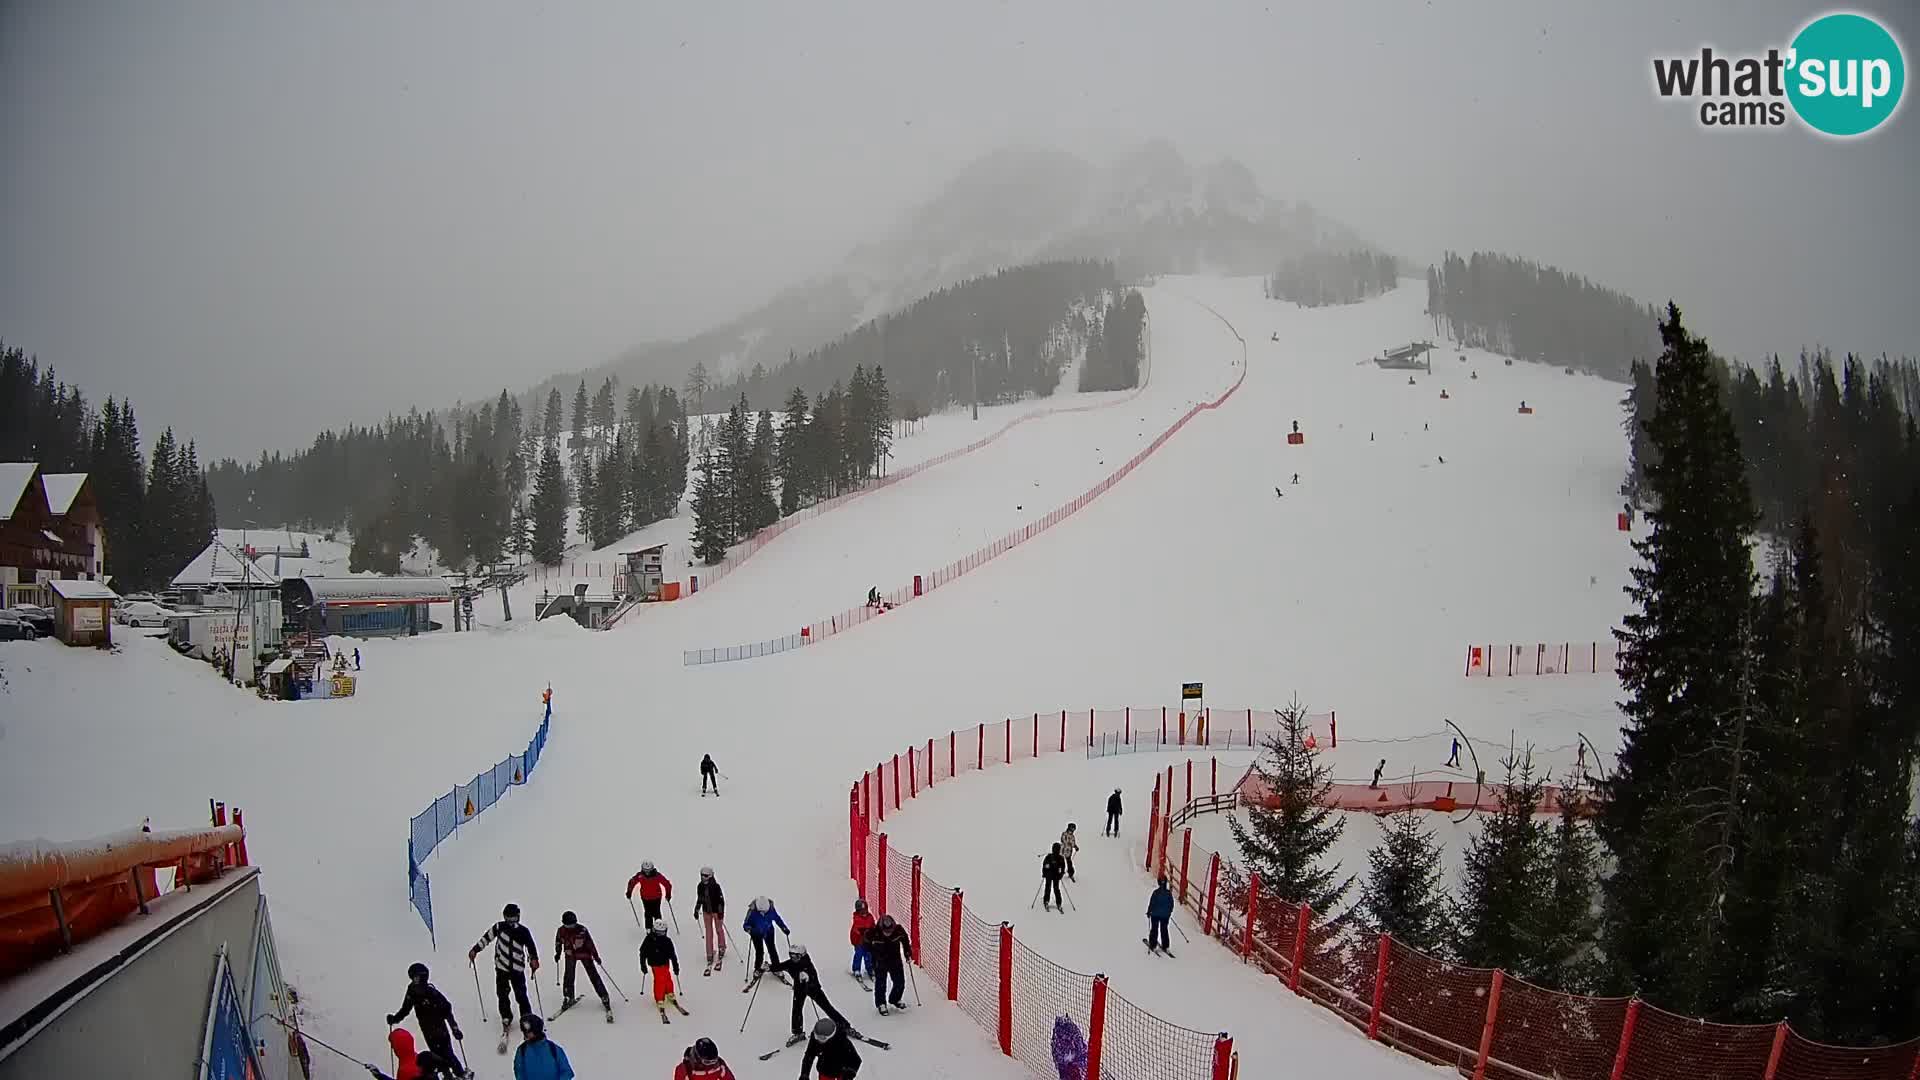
column 1148, row 211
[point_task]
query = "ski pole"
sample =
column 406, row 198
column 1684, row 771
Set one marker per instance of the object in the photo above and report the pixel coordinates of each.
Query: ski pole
column 476, row 989
column 636, row 911
column 608, row 972
column 1069, row 896
column 1183, row 933
column 462, row 1040
column 676, row 918
column 1036, row 895
column 750, row 1000
column 393, row 1059
column 913, row 982
column 539, row 998
column 310, row 1037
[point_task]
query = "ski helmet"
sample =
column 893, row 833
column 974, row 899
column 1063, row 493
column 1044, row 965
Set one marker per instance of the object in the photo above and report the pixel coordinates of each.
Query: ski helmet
column 706, row 871
column 705, row 1052
column 416, row 971
column 824, row 1029
column 659, row 926
column 511, row 912
column 568, row 918
column 886, row 921
column 646, row 866
column 797, row 950
column 860, row 904
column 762, row 904
column 531, row 1024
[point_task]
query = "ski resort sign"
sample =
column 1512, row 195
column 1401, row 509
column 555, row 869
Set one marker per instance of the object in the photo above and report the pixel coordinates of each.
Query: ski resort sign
column 1842, row 74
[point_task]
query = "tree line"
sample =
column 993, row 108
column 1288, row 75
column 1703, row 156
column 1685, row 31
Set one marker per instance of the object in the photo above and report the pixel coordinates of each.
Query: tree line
column 821, row 449
column 1320, row 278
column 157, row 511
column 1754, row 854
column 1518, row 308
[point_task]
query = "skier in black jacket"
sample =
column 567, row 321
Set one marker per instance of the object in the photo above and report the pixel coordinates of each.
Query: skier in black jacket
column 806, row 985
column 433, row 1011
column 709, row 774
column 514, row 955
column 1052, row 868
column 710, row 907
column 658, row 957
column 1113, row 814
column 833, row 1050
column 890, row 948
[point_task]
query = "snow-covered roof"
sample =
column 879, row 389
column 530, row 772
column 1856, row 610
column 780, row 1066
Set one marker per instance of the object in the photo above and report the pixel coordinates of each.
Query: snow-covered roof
column 61, row 488
column 374, row 590
column 69, row 589
column 278, row 666
column 14, row 478
column 220, row 565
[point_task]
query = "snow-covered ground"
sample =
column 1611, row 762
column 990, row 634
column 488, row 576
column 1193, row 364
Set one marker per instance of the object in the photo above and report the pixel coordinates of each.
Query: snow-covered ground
column 1358, row 590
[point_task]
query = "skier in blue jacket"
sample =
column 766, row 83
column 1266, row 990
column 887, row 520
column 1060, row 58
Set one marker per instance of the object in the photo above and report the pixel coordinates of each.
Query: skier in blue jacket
column 538, row 1057
column 1159, row 913
column 762, row 917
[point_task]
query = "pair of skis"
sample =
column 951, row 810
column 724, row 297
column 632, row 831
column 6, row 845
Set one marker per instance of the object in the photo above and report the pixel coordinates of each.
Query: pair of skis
column 1154, row 949
column 796, row 1040
column 571, row 1002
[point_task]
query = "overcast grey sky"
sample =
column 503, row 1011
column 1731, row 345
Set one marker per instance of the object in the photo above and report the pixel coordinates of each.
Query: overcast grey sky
column 258, row 219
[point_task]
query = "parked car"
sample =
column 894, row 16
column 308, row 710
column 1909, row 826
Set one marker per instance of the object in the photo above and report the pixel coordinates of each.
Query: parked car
column 41, row 619
column 15, row 628
column 138, row 613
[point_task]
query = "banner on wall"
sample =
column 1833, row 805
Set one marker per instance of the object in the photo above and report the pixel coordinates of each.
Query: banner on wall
column 227, row 1053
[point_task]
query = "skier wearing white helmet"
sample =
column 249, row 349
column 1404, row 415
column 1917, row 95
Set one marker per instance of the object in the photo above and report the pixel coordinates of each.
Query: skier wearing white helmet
column 710, row 907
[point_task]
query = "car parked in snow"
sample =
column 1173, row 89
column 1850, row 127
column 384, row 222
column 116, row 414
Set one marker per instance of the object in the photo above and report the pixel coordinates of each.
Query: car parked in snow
column 41, row 619
column 139, row 613
column 15, row 628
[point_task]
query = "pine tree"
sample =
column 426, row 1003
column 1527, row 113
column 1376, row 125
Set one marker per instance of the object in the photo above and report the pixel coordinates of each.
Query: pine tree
column 578, row 443
column 1567, row 957
column 1503, row 887
column 549, row 510
column 1639, row 404
column 1403, row 893
column 760, row 509
column 710, row 536
column 550, row 423
column 1671, row 816
column 879, row 440
column 484, row 511
column 603, row 407
column 609, row 497
column 587, row 497
column 1287, row 841
column 789, row 458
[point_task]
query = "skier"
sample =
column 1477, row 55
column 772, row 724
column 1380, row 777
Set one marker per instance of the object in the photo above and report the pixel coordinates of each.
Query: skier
column 1113, row 814
column 424, row 1065
column 1051, row 868
column 760, row 921
column 873, row 596
column 1453, row 759
column 1159, row 913
column 356, row 658
column 1580, row 761
column 710, row 907
column 1296, row 478
column 709, row 774
column 658, row 957
column 514, row 954
column 857, row 934
column 538, row 1057
column 806, row 987
column 576, row 942
column 433, row 1010
column 653, row 885
column 702, row 1061
column 1377, row 770
column 1069, row 846
column 833, row 1050
column 890, row 948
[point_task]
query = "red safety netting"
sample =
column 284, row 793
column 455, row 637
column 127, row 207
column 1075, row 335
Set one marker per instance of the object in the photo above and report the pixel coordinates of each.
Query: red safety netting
column 1543, row 1032
column 1804, row 1059
column 936, row 927
column 1141, row 1046
column 1042, row 991
column 980, row 971
column 1666, row 1045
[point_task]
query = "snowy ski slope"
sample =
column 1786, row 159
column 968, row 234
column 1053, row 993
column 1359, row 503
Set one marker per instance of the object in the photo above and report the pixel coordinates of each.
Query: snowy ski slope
column 1358, row 590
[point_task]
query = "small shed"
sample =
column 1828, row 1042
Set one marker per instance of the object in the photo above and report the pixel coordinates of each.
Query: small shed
column 82, row 611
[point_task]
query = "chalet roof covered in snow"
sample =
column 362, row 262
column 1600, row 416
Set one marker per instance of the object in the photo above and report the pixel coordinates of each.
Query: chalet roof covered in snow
column 378, row 590
column 14, row 478
column 61, row 488
column 72, row 589
column 220, row 565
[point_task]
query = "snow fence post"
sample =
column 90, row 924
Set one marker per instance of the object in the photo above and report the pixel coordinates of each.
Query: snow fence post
column 1153, row 820
column 953, row 950
column 980, row 751
column 1163, row 725
column 1096, row 1025
column 930, row 776
column 1222, row 1056
column 1009, row 740
column 1036, row 735
column 1333, row 728
column 1486, row 1032
column 1006, row 989
column 853, row 834
column 1189, row 801
column 1213, row 887
column 1773, row 1056
column 883, row 873
column 1253, row 913
column 1214, row 788
column 1129, row 726
column 240, row 845
column 866, row 796
column 1626, row 1041
column 1089, row 727
column 1300, row 946
column 913, row 774
column 1379, row 987
column 896, row 781
column 1186, row 853
column 1063, row 731
column 953, row 760
column 914, row 911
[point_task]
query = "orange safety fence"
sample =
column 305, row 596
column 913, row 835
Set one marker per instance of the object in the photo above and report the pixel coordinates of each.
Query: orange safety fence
column 1482, row 1022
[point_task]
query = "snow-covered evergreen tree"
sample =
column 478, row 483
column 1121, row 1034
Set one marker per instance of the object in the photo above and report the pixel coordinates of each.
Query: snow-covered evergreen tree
column 1287, row 843
column 1403, row 894
column 710, row 532
column 1504, row 886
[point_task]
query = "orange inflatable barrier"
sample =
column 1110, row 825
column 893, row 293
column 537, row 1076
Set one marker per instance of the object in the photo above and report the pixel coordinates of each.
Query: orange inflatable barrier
column 670, row 590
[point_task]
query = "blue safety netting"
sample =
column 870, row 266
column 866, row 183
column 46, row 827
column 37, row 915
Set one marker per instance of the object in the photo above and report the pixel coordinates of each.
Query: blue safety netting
column 448, row 812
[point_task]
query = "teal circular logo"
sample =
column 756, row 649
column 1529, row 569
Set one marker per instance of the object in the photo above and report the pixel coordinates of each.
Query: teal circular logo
column 1845, row 75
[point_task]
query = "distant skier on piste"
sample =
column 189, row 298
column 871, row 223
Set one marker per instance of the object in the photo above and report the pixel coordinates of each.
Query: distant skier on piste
column 1159, row 913
column 514, row 955
column 575, row 943
column 761, row 918
column 709, row 774
column 653, row 886
column 833, row 1050
column 857, row 934
column 798, row 967
column 1113, row 813
column 1052, row 868
column 432, row 1010
column 710, row 907
column 1377, row 770
column 658, row 957
column 1070, row 846
column 1453, row 759
column 890, row 948
column 702, row 1061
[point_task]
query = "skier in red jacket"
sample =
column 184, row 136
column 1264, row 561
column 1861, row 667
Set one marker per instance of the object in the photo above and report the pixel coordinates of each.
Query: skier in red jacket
column 575, row 942
column 857, row 935
column 653, row 885
column 702, row 1061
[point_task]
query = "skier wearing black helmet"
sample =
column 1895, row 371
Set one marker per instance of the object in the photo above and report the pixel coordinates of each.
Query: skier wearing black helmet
column 432, row 1010
column 514, row 955
column 575, row 943
column 799, row 968
column 890, row 948
column 702, row 1061
column 833, row 1050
